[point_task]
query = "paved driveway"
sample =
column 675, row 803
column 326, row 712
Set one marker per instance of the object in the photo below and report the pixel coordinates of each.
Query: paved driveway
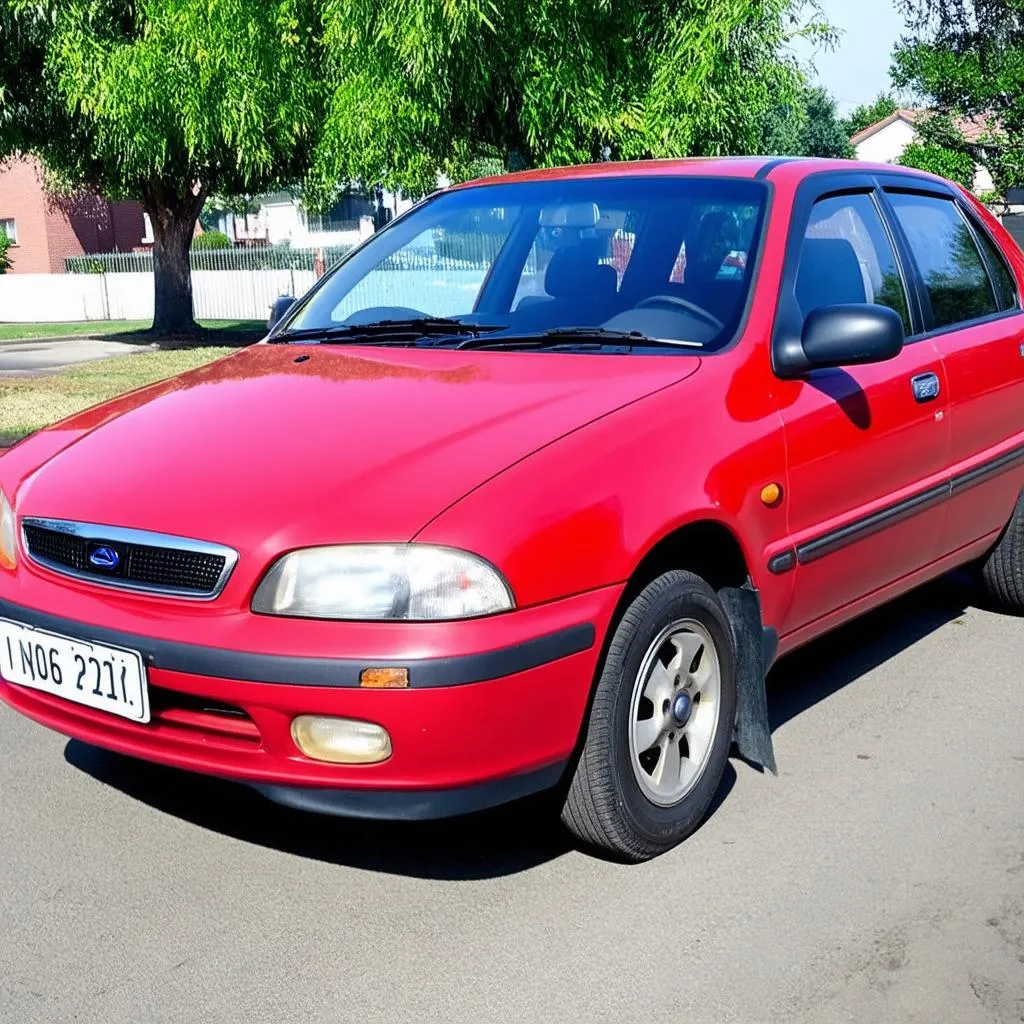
column 879, row 878
column 27, row 358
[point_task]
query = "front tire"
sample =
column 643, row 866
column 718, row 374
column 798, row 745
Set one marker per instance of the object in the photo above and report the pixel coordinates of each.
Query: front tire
column 661, row 723
column 1002, row 573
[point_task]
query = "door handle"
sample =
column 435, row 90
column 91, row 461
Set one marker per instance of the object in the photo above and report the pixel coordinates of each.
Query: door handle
column 926, row 387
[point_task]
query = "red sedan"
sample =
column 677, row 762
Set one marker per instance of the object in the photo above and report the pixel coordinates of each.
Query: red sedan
column 530, row 491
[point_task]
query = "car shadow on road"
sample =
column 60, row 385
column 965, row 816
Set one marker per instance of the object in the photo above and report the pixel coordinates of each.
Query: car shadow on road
column 487, row 844
column 813, row 673
column 519, row 836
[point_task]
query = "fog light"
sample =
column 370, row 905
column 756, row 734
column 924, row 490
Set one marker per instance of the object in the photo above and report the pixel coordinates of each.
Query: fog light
column 341, row 740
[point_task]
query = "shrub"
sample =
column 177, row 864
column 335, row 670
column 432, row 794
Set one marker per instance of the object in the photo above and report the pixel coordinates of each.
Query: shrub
column 947, row 163
column 211, row 240
column 5, row 245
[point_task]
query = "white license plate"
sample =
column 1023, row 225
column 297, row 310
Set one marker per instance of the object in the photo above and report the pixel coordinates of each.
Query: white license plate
column 106, row 678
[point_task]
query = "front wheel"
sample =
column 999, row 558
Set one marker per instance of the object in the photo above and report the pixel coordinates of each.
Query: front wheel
column 661, row 723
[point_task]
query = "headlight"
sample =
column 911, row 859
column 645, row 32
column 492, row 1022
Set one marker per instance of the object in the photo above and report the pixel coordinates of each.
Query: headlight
column 8, row 535
column 410, row 582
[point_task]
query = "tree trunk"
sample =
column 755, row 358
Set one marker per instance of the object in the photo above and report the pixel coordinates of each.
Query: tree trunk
column 172, row 212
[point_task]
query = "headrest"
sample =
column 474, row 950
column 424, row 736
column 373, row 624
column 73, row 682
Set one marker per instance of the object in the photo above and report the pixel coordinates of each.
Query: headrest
column 829, row 274
column 575, row 270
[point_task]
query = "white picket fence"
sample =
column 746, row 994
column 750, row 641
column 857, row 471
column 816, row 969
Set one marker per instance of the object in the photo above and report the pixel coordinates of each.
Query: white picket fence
column 217, row 295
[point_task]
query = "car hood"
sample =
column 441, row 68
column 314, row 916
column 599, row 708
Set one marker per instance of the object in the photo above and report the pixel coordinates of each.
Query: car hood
column 281, row 446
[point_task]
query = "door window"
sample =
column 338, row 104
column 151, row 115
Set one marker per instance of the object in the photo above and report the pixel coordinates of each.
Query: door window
column 1006, row 290
column 847, row 258
column 952, row 268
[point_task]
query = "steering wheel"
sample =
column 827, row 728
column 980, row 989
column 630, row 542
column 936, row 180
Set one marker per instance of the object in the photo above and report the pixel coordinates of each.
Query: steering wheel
column 673, row 301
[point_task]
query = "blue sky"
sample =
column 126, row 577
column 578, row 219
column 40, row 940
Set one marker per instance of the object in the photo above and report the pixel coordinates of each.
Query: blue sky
column 857, row 70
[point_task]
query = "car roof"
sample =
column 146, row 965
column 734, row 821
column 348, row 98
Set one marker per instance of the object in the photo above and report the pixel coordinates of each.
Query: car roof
column 759, row 167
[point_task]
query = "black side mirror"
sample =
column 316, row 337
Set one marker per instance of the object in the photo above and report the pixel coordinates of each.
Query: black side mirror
column 849, row 335
column 281, row 305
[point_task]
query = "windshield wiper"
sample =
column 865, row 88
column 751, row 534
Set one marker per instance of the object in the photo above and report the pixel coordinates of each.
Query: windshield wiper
column 599, row 337
column 396, row 332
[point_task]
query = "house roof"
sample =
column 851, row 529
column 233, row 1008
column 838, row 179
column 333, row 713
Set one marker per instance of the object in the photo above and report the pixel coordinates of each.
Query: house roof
column 971, row 128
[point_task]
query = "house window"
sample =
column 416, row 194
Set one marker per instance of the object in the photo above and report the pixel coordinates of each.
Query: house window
column 10, row 229
column 147, row 235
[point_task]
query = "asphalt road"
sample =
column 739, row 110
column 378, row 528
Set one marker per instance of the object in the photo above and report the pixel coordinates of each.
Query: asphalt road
column 33, row 357
column 879, row 878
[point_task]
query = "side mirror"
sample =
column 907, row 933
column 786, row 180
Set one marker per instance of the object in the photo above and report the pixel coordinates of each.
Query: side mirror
column 850, row 335
column 281, row 305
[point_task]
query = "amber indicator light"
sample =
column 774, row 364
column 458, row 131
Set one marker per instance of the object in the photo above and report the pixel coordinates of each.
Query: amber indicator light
column 384, row 678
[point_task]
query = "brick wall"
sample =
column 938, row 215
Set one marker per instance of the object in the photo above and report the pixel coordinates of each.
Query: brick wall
column 49, row 230
column 75, row 226
column 22, row 200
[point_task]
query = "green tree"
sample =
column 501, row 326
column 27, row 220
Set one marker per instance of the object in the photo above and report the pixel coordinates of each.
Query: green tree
column 806, row 126
column 824, row 134
column 165, row 101
column 422, row 85
column 965, row 58
column 869, row 113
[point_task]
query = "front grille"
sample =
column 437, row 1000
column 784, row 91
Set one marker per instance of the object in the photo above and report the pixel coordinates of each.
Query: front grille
column 189, row 570
column 131, row 559
column 51, row 546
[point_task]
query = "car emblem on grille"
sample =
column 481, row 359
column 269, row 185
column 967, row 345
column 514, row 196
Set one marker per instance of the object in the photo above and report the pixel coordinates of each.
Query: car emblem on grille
column 103, row 556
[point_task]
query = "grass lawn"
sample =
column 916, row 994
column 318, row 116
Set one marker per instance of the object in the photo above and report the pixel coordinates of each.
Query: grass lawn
column 239, row 332
column 28, row 403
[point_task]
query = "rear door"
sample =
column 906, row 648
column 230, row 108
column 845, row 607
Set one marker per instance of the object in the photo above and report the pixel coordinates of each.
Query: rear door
column 972, row 312
column 867, row 445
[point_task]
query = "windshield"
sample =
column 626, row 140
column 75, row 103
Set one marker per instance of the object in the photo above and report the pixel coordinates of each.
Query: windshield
column 669, row 258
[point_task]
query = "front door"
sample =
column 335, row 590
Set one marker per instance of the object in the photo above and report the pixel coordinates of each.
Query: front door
column 867, row 446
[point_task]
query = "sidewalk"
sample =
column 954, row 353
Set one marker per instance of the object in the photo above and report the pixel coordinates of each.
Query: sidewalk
column 41, row 356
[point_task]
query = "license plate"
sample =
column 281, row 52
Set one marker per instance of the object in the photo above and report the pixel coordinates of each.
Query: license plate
column 106, row 678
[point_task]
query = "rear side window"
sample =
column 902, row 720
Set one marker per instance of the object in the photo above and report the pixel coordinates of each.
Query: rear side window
column 952, row 268
column 847, row 258
column 1002, row 279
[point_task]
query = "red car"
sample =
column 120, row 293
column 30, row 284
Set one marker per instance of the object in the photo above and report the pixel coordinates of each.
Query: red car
column 530, row 491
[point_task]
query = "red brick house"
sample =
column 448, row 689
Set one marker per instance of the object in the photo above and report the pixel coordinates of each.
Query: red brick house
column 44, row 231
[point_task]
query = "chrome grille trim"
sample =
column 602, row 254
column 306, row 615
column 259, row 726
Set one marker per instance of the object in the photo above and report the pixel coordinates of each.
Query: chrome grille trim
column 141, row 538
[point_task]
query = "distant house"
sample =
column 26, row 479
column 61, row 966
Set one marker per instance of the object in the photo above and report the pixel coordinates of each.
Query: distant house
column 281, row 219
column 44, row 231
column 884, row 141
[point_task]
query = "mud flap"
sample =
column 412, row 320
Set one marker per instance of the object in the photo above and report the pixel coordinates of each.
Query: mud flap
column 755, row 649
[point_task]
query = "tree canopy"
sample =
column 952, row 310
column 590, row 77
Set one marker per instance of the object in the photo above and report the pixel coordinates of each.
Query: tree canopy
column 806, row 126
column 163, row 101
column 965, row 58
column 869, row 113
column 422, row 85
column 169, row 101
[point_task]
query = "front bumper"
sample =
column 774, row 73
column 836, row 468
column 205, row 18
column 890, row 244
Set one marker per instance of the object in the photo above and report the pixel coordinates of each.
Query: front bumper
column 473, row 729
